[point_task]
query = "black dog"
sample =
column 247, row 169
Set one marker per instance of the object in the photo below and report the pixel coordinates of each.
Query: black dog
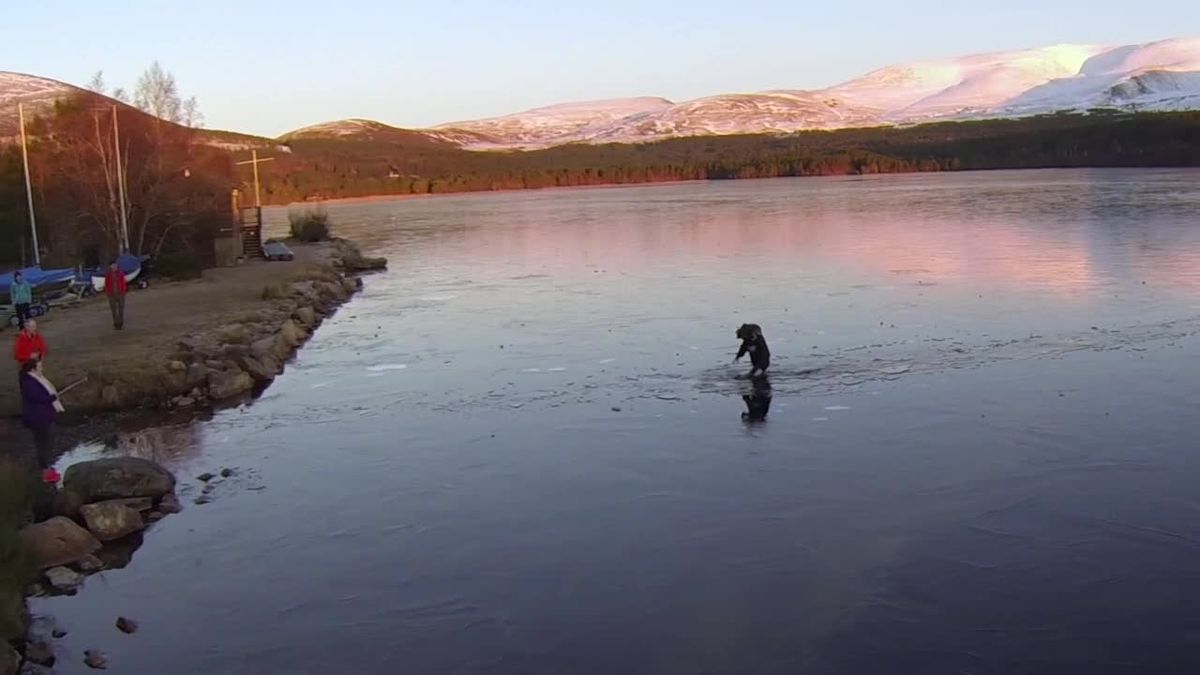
column 752, row 341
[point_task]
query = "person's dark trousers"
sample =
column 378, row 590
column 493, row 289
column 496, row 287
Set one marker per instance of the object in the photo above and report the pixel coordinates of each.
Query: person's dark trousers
column 116, row 304
column 22, row 314
column 43, row 440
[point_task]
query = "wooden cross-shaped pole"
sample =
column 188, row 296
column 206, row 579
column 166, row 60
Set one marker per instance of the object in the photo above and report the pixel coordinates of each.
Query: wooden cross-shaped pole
column 254, row 160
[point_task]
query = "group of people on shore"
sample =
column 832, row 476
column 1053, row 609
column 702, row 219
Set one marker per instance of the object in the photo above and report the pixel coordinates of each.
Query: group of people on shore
column 40, row 404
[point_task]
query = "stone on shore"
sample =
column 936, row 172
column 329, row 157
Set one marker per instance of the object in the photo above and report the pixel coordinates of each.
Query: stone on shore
column 63, row 579
column 261, row 370
column 224, row 384
column 112, row 519
column 306, row 316
column 127, row 626
column 169, row 504
column 196, row 375
column 118, row 478
column 292, row 333
column 58, row 541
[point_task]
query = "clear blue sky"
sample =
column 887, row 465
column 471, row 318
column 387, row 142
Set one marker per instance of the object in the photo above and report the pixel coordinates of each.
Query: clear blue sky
column 268, row 67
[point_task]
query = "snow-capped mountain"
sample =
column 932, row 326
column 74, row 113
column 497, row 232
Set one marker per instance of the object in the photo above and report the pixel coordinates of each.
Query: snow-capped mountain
column 1161, row 75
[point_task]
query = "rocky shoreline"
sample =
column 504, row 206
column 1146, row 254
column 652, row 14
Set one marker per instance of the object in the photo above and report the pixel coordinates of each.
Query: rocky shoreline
column 220, row 363
column 96, row 521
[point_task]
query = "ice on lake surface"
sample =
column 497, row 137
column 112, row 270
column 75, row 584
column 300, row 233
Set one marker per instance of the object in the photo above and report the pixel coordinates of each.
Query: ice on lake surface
column 979, row 455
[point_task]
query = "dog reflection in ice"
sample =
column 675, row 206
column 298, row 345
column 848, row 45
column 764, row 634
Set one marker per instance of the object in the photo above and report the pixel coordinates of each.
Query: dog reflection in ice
column 758, row 401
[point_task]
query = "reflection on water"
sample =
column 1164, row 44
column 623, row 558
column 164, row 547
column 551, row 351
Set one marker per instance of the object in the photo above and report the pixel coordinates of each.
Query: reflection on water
column 758, row 401
column 515, row 451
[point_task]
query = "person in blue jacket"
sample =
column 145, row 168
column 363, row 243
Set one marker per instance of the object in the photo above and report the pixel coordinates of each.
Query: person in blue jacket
column 22, row 296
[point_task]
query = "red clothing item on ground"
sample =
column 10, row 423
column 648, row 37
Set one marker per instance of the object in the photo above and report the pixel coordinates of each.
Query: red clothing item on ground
column 114, row 283
column 27, row 345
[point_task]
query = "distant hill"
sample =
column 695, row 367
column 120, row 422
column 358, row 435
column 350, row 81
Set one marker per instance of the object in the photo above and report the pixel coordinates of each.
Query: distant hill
column 39, row 94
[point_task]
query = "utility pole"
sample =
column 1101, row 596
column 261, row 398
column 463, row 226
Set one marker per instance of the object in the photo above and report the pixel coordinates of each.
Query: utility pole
column 255, row 161
column 37, row 254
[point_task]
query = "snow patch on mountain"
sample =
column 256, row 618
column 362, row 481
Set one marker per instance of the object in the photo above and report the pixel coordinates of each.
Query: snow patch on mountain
column 1162, row 75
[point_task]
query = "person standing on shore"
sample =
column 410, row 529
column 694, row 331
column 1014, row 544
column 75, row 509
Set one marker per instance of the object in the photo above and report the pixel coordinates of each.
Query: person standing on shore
column 22, row 296
column 39, row 410
column 115, row 287
column 30, row 344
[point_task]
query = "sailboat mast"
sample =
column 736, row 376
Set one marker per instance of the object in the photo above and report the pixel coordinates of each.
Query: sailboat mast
column 37, row 254
column 120, row 182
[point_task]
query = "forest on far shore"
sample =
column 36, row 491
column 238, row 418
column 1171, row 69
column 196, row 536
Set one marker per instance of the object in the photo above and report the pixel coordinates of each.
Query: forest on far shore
column 405, row 162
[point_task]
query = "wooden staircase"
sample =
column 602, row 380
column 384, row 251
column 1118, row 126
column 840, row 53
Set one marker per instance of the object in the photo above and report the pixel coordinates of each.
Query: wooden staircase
column 250, row 226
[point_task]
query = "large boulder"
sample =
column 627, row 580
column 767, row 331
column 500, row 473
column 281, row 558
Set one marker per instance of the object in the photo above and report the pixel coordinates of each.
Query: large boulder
column 58, row 541
column 112, row 519
column 118, row 478
column 225, row 384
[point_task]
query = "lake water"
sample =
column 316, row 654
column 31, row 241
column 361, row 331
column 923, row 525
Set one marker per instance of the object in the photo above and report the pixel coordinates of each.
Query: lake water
column 521, row 449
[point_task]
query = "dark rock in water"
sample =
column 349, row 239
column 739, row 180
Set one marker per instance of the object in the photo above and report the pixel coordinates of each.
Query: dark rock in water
column 112, row 519
column 90, row 564
column 94, row 658
column 202, row 499
column 169, row 504
column 205, row 477
column 59, row 633
column 128, row 626
column 209, row 488
column 40, row 653
column 58, row 541
column 63, row 579
column 117, row 478
column 226, row 473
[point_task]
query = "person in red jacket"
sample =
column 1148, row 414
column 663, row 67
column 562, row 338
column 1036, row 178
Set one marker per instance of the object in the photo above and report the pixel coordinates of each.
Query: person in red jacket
column 115, row 288
column 30, row 344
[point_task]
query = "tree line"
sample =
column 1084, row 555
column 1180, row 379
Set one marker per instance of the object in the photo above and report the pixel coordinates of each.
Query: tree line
column 88, row 151
column 316, row 168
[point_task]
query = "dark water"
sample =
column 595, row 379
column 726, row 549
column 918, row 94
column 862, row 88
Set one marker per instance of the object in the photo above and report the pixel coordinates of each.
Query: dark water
column 521, row 450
